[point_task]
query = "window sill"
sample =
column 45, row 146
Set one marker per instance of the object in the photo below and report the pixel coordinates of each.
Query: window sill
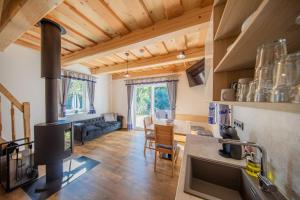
column 79, row 113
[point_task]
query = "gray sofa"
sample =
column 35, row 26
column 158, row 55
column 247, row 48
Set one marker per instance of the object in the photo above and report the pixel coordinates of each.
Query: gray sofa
column 92, row 128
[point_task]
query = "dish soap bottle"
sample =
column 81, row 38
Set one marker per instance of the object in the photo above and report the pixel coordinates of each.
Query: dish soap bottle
column 253, row 165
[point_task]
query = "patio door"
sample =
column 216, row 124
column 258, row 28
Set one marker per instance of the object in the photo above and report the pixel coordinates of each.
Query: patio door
column 151, row 100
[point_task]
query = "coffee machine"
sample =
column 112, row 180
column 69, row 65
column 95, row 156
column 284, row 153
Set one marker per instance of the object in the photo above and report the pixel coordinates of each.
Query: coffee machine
column 229, row 150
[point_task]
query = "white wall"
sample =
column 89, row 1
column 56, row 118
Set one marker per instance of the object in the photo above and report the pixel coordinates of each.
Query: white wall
column 279, row 133
column 20, row 74
column 191, row 100
column 119, row 99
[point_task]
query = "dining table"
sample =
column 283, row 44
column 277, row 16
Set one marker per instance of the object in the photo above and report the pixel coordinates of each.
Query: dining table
column 164, row 122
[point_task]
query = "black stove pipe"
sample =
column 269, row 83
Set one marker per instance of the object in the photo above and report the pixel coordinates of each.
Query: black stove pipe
column 51, row 71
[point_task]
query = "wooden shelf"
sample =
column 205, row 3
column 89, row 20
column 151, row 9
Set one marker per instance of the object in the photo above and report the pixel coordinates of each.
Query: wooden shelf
column 234, row 14
column 285, row 107
column 219, row 2
column 272, row 20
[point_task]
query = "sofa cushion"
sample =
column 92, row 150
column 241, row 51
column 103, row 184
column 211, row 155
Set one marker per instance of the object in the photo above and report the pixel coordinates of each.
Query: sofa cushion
column 110, row 117
column 91, row 128
column 113, row 123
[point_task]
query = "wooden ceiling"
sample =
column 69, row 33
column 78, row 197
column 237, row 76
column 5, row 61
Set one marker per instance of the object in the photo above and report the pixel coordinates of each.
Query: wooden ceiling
column 153, row 32
column 165, row 69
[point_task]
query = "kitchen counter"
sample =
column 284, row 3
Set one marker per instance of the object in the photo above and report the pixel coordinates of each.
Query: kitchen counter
column 202, row 147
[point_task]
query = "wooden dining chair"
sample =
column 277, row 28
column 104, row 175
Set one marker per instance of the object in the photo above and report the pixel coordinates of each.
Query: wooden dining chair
column 149, row 134
column 164, row 143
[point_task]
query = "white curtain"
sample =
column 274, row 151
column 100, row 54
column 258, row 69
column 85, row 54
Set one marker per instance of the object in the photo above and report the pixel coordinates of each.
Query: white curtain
column 91, row 95
column 130, row 92
column 65, row 85
column 172, row 92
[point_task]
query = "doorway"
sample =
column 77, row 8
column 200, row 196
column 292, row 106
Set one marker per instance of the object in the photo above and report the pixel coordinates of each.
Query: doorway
column 151, row 100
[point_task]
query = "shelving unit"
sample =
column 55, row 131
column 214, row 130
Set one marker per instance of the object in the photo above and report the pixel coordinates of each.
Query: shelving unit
column 271, row 20
column 286, row 107
column 265, row 27
column 235, row 13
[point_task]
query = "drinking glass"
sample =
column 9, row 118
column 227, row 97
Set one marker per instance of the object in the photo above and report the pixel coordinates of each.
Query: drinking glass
column 264, row 84
column 243, row 85
column 281, row 88
column 287, row 79
column 268, row 55
column 293, row 81
column 258, row 53
column 251, row 91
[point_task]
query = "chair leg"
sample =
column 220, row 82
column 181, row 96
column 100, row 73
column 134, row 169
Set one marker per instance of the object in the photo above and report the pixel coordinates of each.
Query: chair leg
column 176, row 155
column 145, row 146
column 173, row 161
column 155, row 157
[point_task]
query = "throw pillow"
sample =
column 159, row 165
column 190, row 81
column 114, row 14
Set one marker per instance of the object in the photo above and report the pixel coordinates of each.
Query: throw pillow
column 110, row 117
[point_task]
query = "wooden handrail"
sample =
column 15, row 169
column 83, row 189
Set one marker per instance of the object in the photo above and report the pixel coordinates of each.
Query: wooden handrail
column 26, row 119
column 23, row 107
column 11, row 97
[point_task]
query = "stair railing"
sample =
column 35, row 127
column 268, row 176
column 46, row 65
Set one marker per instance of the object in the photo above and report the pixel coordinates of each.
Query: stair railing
column 23, row 107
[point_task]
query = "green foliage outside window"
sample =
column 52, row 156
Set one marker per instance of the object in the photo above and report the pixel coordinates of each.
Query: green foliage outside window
column 76, row 95
column 161, row 100
column 143, row 100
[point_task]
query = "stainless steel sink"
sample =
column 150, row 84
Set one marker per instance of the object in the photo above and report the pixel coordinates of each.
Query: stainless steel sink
column 214, row 180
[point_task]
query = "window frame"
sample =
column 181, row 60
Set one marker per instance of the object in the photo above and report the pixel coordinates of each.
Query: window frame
column 85, row 99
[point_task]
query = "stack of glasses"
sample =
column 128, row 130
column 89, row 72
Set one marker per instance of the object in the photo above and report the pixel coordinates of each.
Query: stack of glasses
column 277, row 74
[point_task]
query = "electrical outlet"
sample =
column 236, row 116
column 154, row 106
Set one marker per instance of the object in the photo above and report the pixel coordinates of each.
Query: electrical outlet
column 238, row 124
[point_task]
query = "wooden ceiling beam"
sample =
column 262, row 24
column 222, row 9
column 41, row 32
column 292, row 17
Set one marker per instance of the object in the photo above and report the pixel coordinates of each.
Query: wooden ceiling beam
column 192, row 21
column 29, row 12
column 168, row 59
column 101, row 14
column 150, row 72
column 70, row 16
column 173, row 8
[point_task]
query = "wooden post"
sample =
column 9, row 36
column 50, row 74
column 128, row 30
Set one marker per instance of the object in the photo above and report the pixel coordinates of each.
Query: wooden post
column 26, row 119
column 13, row 128
column 0, row 118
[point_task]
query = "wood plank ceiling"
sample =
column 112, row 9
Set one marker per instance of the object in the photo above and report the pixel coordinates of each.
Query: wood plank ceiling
column 93, row 22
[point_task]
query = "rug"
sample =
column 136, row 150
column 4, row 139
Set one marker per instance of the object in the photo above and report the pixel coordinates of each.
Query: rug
column 73, row 168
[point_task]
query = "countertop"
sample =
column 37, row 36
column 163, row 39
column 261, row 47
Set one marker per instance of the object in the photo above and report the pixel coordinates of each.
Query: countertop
column 202, row 147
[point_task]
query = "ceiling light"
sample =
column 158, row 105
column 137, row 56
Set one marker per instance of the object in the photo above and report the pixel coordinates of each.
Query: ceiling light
column 181, row 55
column 127, row 74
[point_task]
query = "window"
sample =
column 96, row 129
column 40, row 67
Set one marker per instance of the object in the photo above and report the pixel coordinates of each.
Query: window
column 76, row 98
column 161, row 99
column 151, row 100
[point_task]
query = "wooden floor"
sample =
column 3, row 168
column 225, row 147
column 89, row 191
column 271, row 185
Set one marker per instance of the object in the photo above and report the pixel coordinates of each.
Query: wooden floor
column 124, row 172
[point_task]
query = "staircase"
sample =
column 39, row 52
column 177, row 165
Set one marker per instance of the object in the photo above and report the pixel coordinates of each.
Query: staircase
column 22, row 107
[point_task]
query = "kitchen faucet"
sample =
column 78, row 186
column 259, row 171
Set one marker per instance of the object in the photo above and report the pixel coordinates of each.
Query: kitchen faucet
column 264, row 182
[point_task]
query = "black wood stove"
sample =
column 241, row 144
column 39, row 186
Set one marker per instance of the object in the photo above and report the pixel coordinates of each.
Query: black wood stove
column 52, row 139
